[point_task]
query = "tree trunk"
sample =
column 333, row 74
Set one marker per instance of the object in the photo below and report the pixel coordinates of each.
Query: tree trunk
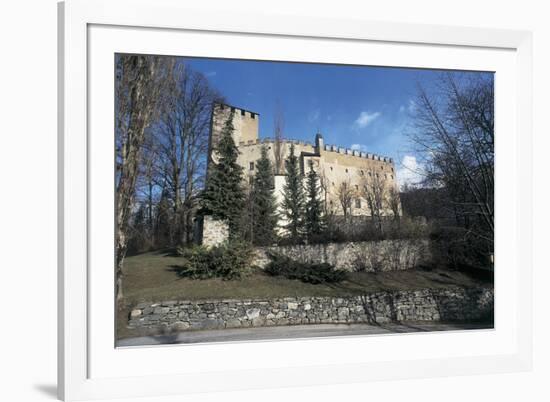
column 120, row 250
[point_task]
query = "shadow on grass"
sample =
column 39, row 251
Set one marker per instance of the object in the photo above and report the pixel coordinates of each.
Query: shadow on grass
column 167, row 252
column 179, row 271
column 444, row 282
column 174, row 268
column 479, row 274
column 163, row 252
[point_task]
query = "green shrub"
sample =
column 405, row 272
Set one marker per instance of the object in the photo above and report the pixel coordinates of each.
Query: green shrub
column 306, row 272
column 227, row 261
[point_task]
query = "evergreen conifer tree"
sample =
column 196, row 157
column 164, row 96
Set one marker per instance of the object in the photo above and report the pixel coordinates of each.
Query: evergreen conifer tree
column 224, row 196
column 293, row 197
column 264, row 208
column 313, row 218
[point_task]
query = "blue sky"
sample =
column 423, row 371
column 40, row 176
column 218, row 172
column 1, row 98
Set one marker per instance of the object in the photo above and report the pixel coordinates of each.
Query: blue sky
column 367, row 108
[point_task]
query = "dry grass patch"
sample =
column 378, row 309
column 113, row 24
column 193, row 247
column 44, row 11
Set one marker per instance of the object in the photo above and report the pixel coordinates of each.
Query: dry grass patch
column 153, row 277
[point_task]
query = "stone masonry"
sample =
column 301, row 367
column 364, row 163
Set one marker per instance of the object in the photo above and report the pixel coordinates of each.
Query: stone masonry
column 448, row 304
column 372, row 256
column 214, row 231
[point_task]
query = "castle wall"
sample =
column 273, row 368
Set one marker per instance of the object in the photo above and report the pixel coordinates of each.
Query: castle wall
column 347, row 166
column 251, row 152
column 335, row 165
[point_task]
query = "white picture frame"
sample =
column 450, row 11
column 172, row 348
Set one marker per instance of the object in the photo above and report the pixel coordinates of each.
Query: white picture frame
column 89, row 365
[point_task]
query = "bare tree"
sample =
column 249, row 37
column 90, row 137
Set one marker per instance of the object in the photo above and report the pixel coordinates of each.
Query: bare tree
column 279, row 146
column 140, row 81
column 345, row 196
column 182, row 138
column 374, row 190
column 455, row 132
column 147, row 190
column 394, row 201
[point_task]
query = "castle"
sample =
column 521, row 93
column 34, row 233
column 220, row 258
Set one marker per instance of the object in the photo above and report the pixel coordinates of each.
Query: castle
column 340, row 170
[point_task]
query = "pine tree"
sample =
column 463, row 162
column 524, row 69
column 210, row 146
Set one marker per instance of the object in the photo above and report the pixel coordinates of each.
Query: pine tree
column 313, row 218
column 264, row 208
column 293, row 196
column 224, row 196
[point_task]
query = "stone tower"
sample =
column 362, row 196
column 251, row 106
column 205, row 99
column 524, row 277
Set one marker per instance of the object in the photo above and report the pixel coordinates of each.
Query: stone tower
column 319, row 143
column 245, row 124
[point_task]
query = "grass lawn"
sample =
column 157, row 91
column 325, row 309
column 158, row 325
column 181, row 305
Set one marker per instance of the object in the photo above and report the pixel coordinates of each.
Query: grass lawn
column 151, row 277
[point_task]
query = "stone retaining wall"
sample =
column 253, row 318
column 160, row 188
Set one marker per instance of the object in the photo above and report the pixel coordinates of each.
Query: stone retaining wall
column 421, row 305
column 214, row 231
column 370, row 256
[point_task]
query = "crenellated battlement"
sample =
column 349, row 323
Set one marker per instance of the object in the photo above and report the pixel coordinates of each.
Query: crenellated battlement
column 238, row 111
column 246, row 124
column 356, row 153
column 270, row 141
column 326, row 148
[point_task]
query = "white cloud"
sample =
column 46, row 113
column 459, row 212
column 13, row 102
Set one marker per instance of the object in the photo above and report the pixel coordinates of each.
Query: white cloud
column 365, row 118
column 409, row 107
column 314, row 115
column 410, row 171
column 412, row 106
column 359, row 147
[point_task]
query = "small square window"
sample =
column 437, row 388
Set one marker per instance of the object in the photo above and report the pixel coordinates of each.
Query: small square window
column 243, row 112
column 346, row 170
column 251, row 165
column 331, row 168
column 362, row 173
column 357, row 203
column 357, row 187
column 253, row 115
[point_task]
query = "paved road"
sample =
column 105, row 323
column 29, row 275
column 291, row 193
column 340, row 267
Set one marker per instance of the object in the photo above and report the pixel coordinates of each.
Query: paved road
column 297, row 331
